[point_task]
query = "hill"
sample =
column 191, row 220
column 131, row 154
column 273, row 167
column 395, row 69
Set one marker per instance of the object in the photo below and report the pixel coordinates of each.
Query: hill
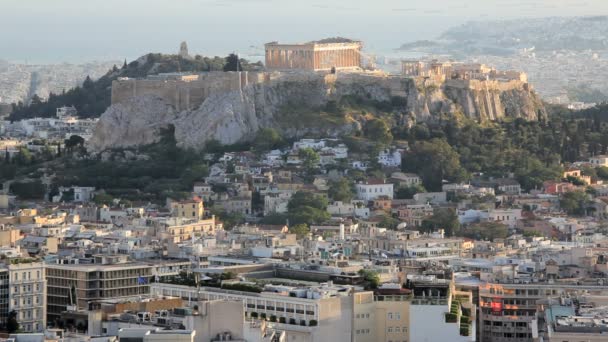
column 231, row 107
column 94, row 97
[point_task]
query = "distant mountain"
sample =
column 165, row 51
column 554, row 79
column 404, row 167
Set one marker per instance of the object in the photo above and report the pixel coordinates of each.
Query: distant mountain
column 94, row 96
column 508, row 36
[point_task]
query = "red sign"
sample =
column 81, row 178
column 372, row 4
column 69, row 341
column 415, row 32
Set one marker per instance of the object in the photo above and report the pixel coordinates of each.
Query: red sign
column 496, row 306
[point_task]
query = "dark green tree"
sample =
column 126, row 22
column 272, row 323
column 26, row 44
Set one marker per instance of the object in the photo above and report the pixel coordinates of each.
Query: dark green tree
column 267, row 139
column 341, row 190
column 233, row 63
column 301, row 230
column 12, row 325
column 574, row 202
column 379, row 131
column 434, row 161
column 443, row 218
column 310, row 159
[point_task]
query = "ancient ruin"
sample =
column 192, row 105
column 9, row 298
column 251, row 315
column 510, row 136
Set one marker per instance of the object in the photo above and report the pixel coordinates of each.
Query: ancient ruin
column 326, row 54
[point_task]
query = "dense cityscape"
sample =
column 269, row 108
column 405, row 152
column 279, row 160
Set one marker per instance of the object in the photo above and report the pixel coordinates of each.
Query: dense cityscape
column 320, row 194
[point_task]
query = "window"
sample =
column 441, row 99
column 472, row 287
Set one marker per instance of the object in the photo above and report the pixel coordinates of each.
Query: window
column 390, row 315
column 390, row 329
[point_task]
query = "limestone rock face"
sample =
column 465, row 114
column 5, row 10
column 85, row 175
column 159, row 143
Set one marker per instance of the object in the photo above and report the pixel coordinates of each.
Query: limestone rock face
column 234, row 115
column 137, row 122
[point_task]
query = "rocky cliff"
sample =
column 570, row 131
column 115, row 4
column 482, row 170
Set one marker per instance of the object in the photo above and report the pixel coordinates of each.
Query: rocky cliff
column 295, row 103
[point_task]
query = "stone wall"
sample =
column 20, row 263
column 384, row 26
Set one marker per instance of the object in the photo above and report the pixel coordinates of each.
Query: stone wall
column 185, row 95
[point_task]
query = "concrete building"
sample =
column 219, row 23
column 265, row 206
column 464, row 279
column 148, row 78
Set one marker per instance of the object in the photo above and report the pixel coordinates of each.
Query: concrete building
column 305, row 314
column 327, row 54
column 26, row 293
column 374, row 188
column 573, row 319
column 84, row 285
column 191, row 209
column 508, row 311
column 9, row 236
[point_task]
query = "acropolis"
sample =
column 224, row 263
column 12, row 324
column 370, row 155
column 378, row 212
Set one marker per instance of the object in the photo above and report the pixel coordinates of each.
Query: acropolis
column 326, row 54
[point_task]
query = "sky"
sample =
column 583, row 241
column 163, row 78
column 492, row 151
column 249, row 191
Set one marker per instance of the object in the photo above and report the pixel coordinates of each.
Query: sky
column 53, row 31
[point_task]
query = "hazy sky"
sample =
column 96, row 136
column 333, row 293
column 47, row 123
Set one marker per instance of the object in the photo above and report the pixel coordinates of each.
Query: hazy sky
column 77, row 30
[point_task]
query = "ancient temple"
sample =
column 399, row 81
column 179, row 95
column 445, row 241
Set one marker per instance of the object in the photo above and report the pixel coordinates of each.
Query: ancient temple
column 326, row 54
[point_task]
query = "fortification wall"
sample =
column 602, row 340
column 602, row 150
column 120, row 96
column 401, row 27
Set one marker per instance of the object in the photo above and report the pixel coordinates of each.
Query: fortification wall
column 491, row 85
column 185, row 95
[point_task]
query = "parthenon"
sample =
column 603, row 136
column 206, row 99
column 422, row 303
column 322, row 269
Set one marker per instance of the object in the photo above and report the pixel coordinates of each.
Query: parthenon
column 326, row 54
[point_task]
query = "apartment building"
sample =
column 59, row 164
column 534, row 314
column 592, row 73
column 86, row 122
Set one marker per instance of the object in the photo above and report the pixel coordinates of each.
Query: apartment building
column 190, row 209
column 508, row 311
column 306, row 314
column 338, row 313
column 85, row 285
column 374, row 188
column 180, row 229
column 23, row 290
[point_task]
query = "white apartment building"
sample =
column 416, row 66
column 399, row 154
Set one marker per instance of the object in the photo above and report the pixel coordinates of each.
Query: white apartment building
column 508, row 217
column 27, row 294
column 373, row 189
column 306, row 315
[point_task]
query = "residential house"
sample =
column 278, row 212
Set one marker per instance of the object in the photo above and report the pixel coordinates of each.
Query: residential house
column 390, row 158
column 374, row 188
column 597, row 161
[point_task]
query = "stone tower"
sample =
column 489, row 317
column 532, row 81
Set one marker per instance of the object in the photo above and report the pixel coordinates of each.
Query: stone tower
column 183, row 50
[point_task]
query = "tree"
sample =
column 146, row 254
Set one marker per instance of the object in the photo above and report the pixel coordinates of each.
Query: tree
column 28, row 190
column 434, row 160
column 233, row 63
column 341, row 190
column 231, row 220
column 487, row 231
column 306, row 199
column 267, row 139
column 194, row 173
column 443, row 218
column 371, row 277
column 602, row 172
column 74, row 141
column 310, row 159
column 307, row 208
column 301, row 230
column 12, row 325
column 24, row 157
column 101, row 199
column 574, row 202
column 379, row 131
column 408, row 192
